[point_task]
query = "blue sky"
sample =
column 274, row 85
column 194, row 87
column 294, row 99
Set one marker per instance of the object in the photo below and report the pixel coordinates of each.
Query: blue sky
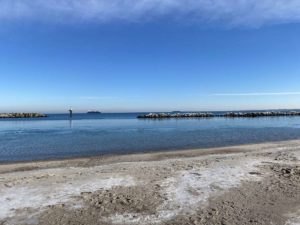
column 149, row 55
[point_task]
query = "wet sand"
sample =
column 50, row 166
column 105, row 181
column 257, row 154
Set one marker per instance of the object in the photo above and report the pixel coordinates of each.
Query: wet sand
column 250, row 184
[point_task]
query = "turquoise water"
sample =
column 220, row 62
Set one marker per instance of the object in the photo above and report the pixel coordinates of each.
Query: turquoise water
column 58, row 137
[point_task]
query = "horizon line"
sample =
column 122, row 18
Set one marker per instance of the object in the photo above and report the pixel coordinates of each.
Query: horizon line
column 158, row 111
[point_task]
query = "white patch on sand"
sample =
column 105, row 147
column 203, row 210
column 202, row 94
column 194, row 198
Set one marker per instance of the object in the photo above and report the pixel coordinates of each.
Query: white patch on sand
column 37, row 194
column 297, row 155
column 191, row 190
column 139, row 218
column 294, row 218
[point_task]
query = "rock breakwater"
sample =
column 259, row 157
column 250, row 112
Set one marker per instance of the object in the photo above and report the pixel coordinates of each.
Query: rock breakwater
column 175, row 115
column 261, row 114
column 210, row 115
column 22, row 115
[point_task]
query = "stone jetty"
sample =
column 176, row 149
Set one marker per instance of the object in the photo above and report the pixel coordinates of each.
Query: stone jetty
column 228, row 115
column 22, row 115
column 175, row 115
column 261, row 114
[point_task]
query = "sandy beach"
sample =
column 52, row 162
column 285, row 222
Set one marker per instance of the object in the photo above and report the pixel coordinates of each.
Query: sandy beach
column 250, row 184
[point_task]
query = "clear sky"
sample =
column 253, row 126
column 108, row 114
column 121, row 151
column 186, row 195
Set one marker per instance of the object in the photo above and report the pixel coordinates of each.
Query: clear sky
column 149, row 55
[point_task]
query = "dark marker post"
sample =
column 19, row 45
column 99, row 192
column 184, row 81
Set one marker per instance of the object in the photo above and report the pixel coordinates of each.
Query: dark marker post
column 71, row 113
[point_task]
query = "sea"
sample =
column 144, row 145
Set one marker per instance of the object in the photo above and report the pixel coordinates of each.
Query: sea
column 58, row 136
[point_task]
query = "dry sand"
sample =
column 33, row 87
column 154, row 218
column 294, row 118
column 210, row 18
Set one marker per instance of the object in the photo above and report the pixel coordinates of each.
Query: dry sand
column 252, row 184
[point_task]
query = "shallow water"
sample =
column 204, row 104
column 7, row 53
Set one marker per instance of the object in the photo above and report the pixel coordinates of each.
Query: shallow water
column 85, row 135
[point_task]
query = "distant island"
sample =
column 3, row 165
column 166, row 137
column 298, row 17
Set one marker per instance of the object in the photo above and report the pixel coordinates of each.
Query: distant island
column 22, row 115
column 94, row 112
column 210, row 115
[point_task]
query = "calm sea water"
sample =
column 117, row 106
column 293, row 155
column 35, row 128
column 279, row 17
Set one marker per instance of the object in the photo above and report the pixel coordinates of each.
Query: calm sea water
column 85, row 135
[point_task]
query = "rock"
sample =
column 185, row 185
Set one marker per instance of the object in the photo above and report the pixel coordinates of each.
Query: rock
column 254, row 173
column 61, row 205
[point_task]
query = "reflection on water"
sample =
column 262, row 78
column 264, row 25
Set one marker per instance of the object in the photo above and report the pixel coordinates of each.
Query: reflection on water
column 70, row 123
column 85, row 135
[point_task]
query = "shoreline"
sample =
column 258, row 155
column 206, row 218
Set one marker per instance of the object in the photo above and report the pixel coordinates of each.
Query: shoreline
column 188, row 152
column 201, row 186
